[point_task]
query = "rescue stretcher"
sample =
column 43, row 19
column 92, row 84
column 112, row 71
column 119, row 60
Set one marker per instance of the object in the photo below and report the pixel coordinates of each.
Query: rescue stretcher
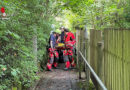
column 62, row 46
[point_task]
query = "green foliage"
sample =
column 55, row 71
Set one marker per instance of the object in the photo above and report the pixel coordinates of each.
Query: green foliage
column 98, row 14
column 29, row 18
column 83, row 85
column 17, row 65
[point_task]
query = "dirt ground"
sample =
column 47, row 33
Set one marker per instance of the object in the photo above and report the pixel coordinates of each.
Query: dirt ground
column 58, row 79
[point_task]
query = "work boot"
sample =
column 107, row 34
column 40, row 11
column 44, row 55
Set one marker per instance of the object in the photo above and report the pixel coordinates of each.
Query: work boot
column 50, row 70
column 66, row 69
column 56, row 67
column 73, row 66
column 67, row 65
column 49, row 67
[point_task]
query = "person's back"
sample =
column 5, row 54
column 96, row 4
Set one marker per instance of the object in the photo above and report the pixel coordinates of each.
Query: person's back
column 52, row 41
column 69, row 38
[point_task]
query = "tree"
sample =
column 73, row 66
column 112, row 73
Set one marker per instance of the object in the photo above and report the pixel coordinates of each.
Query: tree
column 25, row 32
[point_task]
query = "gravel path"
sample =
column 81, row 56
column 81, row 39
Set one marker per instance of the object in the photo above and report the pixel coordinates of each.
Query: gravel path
column 58, row 79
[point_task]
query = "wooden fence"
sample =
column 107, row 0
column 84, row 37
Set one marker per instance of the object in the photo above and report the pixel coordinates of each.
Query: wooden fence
column 117, row 59
column 109, row 56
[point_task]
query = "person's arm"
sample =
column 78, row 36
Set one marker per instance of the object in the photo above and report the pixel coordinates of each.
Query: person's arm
column 59, row 39
column 73, row 39
column 51, row 41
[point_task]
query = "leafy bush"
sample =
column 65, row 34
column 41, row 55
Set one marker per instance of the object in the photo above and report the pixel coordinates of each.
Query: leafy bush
column 17, row 64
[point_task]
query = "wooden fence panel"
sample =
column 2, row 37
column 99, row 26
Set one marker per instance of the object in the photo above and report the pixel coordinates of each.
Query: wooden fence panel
column 116, row 55
column 95, row 37
column 117, row 58
column 126, row 59
column 105, row 58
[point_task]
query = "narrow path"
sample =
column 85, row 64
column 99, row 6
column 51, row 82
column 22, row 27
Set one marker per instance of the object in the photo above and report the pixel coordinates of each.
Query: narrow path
column 58, row 80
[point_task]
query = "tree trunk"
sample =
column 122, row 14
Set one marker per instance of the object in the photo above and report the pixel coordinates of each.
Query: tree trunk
column 35, row 46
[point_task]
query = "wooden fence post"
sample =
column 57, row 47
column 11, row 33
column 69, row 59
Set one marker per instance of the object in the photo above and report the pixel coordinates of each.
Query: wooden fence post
column 100, row 63
column 79, row 59
column 77, row 47
column 84, row 53
column 87, row 69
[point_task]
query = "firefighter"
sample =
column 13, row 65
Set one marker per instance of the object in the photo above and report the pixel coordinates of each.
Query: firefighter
column 53, row 54
column 69, row 40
